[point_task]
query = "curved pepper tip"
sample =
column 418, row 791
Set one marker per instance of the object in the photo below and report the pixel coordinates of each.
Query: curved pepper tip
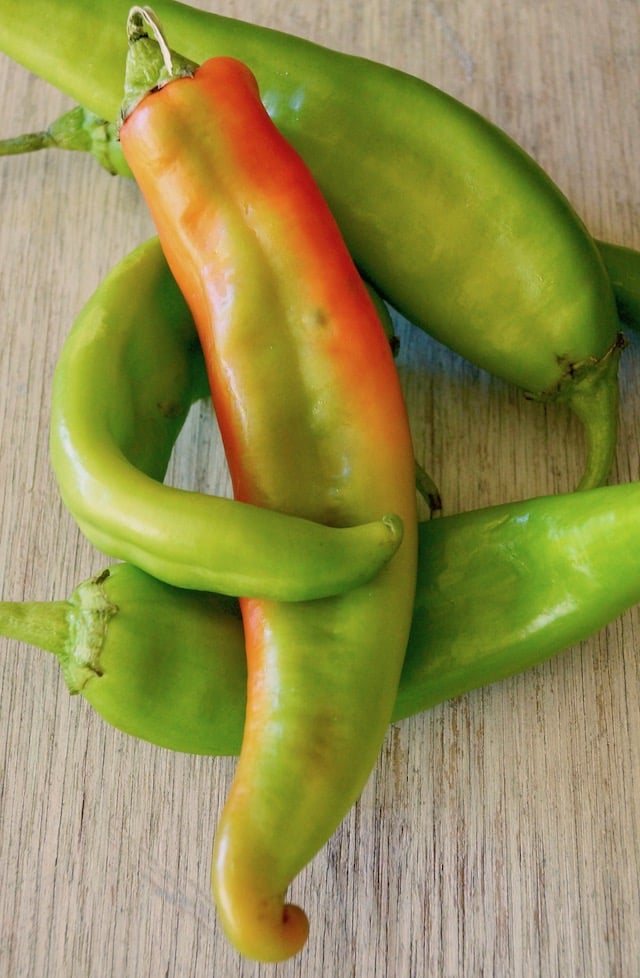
column 249, row 885
column 263, row 928
column 278, row 936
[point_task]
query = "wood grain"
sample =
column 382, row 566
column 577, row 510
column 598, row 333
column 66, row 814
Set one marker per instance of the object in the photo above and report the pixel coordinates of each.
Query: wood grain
column 499, row 834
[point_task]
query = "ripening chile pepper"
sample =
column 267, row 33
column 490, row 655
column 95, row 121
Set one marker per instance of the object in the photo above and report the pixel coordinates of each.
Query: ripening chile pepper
column 314, row 424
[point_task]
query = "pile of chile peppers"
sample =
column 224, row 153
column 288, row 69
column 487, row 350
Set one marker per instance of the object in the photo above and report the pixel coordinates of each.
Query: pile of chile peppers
column 458, row 228
column 498, row 591
column 444, row 658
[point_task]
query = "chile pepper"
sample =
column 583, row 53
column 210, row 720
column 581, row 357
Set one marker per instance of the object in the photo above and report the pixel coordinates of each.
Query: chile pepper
column 457, row 227
column 499, row 591
column 492, row 598
column 275, row 293
column 185, row 538
column 160, row 663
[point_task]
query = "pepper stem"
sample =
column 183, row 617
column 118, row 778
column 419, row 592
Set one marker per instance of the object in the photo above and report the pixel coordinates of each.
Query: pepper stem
column 428, row 489
column 27, row 143
column 593, row 398
column 74, row 630
column 40, row 623
column 138, row 24
column 151, row 64
column 77, row 129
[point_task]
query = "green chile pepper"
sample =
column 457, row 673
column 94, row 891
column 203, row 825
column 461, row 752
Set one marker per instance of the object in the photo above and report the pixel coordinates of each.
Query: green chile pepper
column 499, row 591
column 160, row 663
column 136, row 337
column 83, row 131
column 454, row 224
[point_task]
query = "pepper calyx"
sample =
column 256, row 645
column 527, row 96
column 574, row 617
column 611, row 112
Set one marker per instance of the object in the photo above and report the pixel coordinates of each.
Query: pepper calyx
column 89, row 613
column 151, row 64
column 590, row 389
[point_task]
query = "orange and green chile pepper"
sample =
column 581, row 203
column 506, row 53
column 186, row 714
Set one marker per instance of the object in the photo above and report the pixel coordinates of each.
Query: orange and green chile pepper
column 454, row 224
column 314, row 424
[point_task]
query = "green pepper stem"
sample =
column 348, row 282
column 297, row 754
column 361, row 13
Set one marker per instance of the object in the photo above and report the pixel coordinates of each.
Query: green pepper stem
column 428, row 489
column 27, row 143
column 593, row 398
column 151, row 63
column 74, row 630
column 40, row 623
column 77, row 129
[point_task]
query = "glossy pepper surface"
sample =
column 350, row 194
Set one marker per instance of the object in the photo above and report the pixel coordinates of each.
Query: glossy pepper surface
column 135, row 337
column 455, row 225
column 314, row 424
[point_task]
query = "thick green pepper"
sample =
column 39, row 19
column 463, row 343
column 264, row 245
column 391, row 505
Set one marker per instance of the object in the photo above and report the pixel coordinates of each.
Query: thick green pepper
column 160, row 663
column 125, row 379
column 499, row 591
column 457, row 227
column 83, row 131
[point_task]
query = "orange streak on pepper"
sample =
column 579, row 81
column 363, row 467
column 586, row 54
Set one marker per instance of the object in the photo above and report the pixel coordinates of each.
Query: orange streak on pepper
column 314, row 423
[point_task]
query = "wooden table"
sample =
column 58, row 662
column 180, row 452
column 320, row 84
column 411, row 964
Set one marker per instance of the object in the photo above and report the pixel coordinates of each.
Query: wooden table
column 499, row 835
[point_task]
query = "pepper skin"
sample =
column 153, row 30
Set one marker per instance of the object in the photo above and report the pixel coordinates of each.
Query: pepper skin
column 499, row 591
column 455, row 225
column 314, row 424
column 122, row 387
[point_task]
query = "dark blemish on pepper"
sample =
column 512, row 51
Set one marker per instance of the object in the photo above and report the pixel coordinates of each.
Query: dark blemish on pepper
column 169, row 409
column 319, row 317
